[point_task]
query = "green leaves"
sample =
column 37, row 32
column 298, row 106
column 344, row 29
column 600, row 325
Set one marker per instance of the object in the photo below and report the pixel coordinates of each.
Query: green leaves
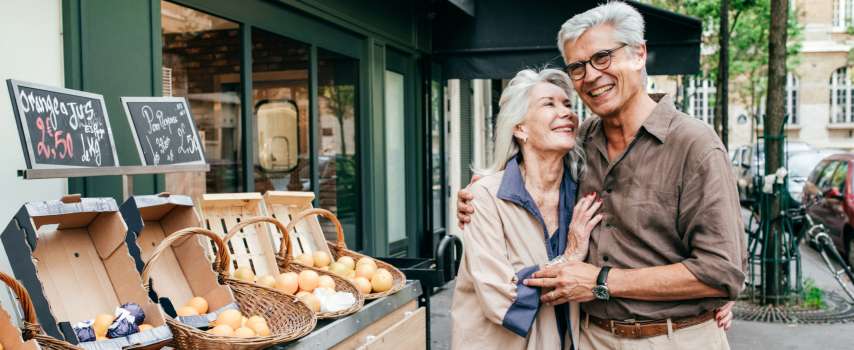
column 750, row 21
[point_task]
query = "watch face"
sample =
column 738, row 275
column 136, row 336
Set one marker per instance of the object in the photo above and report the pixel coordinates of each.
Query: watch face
column 601, row 292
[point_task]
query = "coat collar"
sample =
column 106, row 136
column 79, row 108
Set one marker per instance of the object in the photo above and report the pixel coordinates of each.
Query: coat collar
column 513, row 189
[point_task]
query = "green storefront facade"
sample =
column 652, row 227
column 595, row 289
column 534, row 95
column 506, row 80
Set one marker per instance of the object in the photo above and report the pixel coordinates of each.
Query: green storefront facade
column 342, row 98
column 116, row 48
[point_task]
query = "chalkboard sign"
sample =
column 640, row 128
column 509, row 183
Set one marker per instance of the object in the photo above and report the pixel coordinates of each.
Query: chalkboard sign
column 62, row 128
column 164, row 129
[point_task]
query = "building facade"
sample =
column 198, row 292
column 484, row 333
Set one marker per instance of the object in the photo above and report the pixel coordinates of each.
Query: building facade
column 819, row 99
column 355, row 101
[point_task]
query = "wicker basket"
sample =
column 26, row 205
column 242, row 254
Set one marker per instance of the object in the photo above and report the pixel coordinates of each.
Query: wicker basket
column 339, row 249
column 287, row 318
column 286, row 264
column 32, row 329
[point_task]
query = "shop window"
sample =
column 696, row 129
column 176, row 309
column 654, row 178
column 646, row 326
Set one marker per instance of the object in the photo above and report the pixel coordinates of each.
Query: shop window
column 280, row 120
column 338, row 156
column 395, row 155
column 201, row 53
column 437, row 154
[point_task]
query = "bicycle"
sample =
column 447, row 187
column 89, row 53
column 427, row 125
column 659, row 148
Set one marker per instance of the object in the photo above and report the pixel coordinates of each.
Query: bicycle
column 818, row 234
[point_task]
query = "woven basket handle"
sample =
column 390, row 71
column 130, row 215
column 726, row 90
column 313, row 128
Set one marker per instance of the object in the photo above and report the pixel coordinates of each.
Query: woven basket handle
column 24, row 298
column 286, row 241
column 340, row 245
column 222, row 261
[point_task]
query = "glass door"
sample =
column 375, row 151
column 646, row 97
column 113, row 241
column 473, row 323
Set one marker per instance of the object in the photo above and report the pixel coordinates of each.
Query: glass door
column 436, row 160
column 395, row 161
column 397, row 111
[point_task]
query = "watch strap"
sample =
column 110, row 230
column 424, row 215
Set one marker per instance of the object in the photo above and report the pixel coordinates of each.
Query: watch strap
column 602, row 280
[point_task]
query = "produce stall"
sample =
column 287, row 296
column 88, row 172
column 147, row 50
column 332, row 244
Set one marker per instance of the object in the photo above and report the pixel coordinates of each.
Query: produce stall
column 232, row 271
column 391, row 322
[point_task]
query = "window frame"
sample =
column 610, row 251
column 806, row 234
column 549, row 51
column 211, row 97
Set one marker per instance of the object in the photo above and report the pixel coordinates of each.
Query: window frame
column 842, row 14
column 841, row 95
column 701, row 94
column 318, row 34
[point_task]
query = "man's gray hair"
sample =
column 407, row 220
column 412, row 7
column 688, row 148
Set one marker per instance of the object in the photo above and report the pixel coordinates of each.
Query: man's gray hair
column 627, row 21
column 513, row 106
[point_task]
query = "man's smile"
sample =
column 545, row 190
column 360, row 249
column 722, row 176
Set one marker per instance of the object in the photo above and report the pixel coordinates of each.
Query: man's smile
column 600, row 90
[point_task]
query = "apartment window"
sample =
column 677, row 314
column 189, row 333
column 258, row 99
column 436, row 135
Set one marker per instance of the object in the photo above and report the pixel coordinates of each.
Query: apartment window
column 792, row 87
column 841, row 106
column 792, row 90
column 701, row 97
column 842, row 13
column 580, row 108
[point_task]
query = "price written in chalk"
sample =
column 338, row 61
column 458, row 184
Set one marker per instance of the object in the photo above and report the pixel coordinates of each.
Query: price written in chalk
column 164, row 130
column 61, row 127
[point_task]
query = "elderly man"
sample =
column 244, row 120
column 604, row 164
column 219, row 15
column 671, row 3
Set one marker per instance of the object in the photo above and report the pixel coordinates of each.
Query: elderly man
column 670, row 250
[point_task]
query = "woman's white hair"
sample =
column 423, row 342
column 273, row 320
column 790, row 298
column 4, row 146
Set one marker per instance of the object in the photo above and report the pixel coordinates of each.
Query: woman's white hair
column 513, row 106
column 627, row 21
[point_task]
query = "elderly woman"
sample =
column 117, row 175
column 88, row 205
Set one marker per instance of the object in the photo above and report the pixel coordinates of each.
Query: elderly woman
column 523, row 203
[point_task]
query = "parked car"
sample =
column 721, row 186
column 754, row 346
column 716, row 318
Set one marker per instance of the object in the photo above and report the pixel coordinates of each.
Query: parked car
column 829, row 199
column 800, row 166
column 747, row 161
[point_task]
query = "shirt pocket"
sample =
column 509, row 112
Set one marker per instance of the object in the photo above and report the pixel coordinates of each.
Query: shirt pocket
column 655, row 211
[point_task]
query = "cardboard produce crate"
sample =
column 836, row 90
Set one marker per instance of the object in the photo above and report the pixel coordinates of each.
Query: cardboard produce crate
column 72, row 258
column 183, row 271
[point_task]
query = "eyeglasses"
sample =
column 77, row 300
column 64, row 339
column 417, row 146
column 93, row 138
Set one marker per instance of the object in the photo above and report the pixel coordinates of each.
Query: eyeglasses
column 600, row 61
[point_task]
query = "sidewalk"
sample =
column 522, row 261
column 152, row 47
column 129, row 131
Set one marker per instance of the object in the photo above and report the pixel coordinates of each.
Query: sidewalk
column 742, row 336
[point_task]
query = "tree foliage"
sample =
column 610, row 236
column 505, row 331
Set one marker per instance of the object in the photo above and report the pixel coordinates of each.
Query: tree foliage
column 749, row 24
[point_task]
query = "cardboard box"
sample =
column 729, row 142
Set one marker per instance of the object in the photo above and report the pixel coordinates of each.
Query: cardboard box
column 72, row 258
column 182, row 272
column 10, row 335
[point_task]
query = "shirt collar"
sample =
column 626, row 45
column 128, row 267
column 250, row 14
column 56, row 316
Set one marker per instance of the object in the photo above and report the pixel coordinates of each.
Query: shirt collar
column 656, row 124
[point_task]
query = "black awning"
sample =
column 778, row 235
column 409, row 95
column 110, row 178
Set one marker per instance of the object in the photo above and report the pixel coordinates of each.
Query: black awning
column 505, row 36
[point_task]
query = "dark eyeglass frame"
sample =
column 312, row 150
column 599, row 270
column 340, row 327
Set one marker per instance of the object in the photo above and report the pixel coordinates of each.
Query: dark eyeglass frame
column 604, row 54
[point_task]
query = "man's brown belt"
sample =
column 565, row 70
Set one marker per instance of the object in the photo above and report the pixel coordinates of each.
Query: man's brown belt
column 648, row 329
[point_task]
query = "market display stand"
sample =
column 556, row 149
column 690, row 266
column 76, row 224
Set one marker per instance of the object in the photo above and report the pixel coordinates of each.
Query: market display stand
column 391, row 322
column 92, row 229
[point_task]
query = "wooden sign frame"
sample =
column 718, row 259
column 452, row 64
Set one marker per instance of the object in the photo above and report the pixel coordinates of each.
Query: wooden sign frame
column 24, row 132
column 126, row 100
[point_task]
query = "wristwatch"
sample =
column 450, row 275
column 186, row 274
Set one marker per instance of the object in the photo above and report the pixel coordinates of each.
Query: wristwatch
column 600, row 291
